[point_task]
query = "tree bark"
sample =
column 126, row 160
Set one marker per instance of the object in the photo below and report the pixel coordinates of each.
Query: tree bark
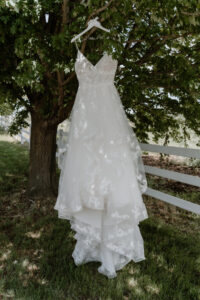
column 42, row 181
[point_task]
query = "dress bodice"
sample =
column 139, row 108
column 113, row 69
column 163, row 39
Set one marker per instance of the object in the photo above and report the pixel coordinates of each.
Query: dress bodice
column 103, row 72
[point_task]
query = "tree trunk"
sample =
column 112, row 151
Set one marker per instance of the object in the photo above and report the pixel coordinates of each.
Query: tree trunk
column 42, row 181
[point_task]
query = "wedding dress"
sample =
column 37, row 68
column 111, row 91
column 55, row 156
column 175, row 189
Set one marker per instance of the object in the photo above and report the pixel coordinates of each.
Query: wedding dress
column 102, row 173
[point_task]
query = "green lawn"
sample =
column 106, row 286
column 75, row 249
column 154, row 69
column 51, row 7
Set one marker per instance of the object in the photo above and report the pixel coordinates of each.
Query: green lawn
column 36, row 247
column 13, row 166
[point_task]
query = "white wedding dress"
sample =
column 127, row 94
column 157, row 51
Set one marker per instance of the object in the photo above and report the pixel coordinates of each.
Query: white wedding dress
column 102, row 173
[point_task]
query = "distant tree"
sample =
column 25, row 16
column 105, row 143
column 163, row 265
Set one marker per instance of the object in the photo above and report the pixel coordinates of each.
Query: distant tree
column 157, row 47
column 5, row 109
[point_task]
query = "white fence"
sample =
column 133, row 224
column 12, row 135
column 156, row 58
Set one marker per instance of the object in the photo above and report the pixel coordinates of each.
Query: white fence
column 5, row 121
column 184, row 178
column 22, row 136
column 188, row 179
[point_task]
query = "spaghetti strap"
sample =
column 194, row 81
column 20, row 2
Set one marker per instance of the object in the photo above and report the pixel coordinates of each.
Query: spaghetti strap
column 77, row 46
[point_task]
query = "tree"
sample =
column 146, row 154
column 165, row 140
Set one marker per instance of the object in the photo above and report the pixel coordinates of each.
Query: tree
column 157, row 47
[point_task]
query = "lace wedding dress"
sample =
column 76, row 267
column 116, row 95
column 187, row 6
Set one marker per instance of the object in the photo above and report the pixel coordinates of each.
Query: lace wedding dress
column 102, row 173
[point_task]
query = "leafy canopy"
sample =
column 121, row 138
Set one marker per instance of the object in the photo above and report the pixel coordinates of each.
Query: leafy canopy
column 156, row 44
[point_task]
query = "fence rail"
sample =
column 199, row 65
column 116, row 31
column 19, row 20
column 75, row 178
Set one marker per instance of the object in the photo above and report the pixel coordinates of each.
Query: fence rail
column 180, row 151
column 188, row 179
column 184, row 178
column 187, row 205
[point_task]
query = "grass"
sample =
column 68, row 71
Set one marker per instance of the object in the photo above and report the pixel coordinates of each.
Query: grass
column 36, row 247
column 13, row 167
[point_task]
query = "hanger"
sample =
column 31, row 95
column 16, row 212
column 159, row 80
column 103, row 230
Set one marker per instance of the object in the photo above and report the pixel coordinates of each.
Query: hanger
column 91, row 23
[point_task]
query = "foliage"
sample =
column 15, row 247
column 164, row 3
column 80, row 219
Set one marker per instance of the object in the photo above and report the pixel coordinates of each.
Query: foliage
column 156, row 44
column 5, row 109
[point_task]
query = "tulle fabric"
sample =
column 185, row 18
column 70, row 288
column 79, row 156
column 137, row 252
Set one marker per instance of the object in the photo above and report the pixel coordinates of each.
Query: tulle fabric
column 102, row 176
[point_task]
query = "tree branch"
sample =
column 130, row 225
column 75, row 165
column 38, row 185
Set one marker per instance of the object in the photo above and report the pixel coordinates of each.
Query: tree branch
column 65, row 14
column 155, row 47
column 71, row 76
column 162, row 38
column 196, row 14
column 45, row 65
column 60, row 74
column 99, row 10
column 60, row 88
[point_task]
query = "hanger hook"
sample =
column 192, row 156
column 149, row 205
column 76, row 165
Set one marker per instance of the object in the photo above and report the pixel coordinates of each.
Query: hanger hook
column 94, row 22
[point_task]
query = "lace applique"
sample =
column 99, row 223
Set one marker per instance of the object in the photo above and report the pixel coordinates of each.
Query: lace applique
column 102, row 173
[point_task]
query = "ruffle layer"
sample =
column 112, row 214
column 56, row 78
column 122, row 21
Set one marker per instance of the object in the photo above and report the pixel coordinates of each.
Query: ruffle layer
column 114, row 240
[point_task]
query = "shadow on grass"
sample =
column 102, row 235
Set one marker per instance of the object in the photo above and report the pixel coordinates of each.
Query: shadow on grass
column 37, row 263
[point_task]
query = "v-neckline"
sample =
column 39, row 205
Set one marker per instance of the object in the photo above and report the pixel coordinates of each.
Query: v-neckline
column 94, row 66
